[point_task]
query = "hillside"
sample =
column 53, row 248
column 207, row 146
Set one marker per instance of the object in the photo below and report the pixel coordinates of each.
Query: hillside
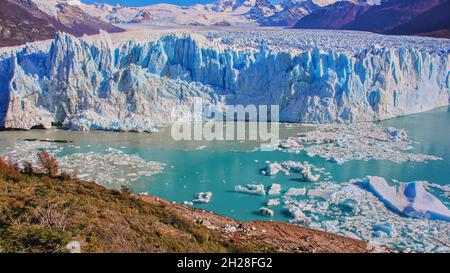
column 398, row 17
column 44, row 212
column 22, row 21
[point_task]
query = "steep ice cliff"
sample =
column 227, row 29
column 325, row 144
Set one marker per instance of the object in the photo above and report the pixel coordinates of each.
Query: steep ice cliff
column 134, row 85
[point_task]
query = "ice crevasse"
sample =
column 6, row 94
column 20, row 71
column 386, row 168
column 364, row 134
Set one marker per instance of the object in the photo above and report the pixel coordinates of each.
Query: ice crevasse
column 134, row 86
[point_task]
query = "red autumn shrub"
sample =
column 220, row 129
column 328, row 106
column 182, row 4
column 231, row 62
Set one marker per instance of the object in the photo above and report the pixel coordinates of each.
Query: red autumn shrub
column 49, row 163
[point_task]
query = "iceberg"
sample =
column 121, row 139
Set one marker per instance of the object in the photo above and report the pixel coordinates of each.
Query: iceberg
column 408, row 199
column 126, row 83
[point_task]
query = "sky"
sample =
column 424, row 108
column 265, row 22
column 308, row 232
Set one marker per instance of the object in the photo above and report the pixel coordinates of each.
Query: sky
column 136, row 3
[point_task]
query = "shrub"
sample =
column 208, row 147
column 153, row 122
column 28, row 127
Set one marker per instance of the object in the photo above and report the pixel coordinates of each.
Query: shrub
column 49, row 163
column 27, row 167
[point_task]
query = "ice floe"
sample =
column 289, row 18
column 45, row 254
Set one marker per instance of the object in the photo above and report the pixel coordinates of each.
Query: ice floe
column 339, row 143
column 273, row 202
column 202, row 197
column 257, row 189
column 295, row 192
column 275, row 189
column 111, row 168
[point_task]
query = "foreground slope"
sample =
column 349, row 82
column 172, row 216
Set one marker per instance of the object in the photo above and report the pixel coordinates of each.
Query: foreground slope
column 40, row 213
column 135, row 84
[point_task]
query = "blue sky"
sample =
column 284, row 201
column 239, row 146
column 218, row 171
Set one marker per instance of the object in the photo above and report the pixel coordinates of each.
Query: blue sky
column 136, row 3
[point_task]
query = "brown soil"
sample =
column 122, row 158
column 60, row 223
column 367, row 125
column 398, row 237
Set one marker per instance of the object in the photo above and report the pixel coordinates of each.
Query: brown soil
column 284, row 237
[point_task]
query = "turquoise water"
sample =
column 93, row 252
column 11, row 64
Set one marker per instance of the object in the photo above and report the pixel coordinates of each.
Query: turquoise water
column 222, row 165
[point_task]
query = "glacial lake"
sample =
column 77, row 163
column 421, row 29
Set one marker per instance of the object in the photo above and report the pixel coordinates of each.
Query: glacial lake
column 217, row 166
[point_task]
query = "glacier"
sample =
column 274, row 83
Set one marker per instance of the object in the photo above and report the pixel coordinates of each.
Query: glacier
column 107, row 83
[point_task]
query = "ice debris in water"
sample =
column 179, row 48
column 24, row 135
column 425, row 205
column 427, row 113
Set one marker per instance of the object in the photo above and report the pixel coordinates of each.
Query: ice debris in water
column 202, row 197
column 112, row 167
column 409, row 199
column 257, row 189
column 339, row 143
column 348, row 209
column 304, row 168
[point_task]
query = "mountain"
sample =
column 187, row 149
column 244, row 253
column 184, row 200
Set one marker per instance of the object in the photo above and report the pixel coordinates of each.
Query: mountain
column 289, row 12
column 390, row 17
column 23, row 21
column 434, row 22
column 334, row 16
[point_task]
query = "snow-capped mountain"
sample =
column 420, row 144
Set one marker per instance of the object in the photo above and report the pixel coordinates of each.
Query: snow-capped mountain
column 234, row 12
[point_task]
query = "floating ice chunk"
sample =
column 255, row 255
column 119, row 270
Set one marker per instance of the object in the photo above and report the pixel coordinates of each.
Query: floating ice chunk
column 290, row 143
column 202, row 197
column 266, row 211
column 257, row 189
column 273, row 169
column 273, row 202
column 297, row 215
column 324, row 194
column 307, row 175
column 396, row 134
column 275, row 189
column 350, row 205
column 386, row 228
column 409, row 199
column 295, row 192
column 336, row 160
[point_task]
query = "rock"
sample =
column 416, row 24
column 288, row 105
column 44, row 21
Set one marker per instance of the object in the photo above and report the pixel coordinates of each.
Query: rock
column 257, row 189
column 73, row 247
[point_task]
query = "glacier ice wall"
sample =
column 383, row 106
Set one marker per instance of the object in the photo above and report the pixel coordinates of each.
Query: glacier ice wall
column 133, row 86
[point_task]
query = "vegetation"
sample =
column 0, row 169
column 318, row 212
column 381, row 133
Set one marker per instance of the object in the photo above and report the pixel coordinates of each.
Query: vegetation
column 41, row 211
